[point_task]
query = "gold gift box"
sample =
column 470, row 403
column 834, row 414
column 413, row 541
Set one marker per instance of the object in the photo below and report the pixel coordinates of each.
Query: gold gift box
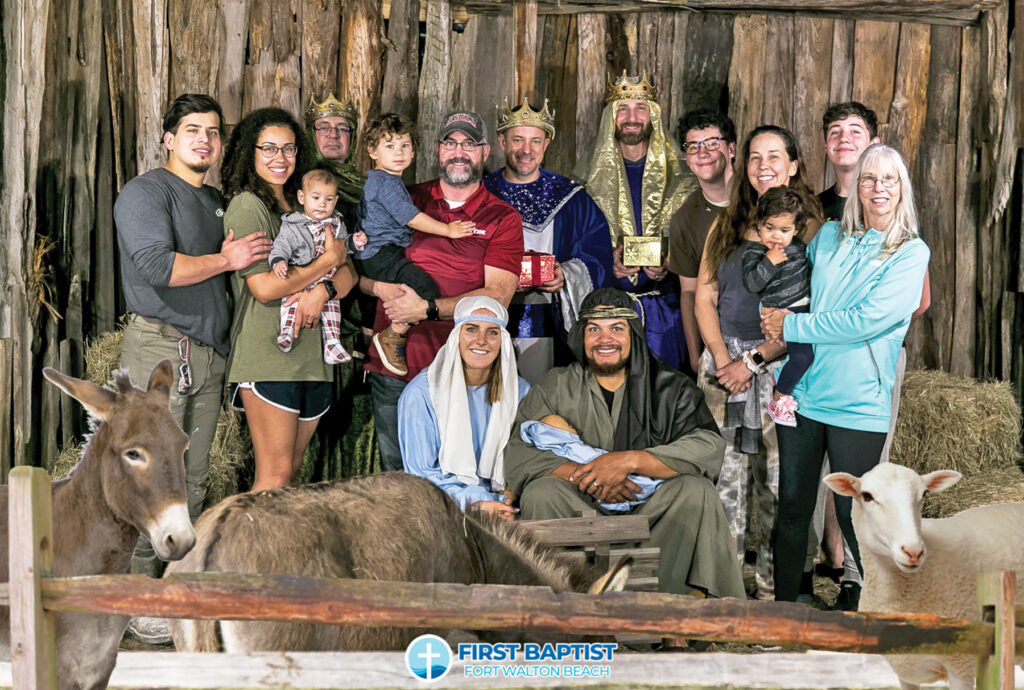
column 643, row 251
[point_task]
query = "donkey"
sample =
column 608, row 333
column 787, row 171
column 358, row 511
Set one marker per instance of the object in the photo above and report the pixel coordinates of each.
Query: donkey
column 391, row 526
column 131, row 479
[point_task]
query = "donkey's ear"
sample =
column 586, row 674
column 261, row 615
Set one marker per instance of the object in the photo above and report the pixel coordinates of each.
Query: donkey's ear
column 615, row 579
column 162, row 378
column 100, row 402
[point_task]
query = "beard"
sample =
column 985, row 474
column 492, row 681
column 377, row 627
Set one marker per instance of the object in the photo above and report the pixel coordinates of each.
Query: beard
column 522, row 169
column 634, row 138
column 200, row 167
column 461, row 179
column 607, row 369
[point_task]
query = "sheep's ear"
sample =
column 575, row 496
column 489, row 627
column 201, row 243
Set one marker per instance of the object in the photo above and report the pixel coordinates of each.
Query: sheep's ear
column 843, row 484
column 941, row 479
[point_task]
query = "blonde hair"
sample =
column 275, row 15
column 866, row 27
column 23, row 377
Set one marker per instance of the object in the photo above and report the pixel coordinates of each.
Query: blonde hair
column 903, row 226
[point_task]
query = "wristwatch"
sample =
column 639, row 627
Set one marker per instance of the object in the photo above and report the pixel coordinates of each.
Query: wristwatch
column 757, row 357
column 432, row 313
column 332, row 292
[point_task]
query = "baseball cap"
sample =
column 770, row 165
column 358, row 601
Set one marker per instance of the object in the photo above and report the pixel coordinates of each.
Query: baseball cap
column 467, row 122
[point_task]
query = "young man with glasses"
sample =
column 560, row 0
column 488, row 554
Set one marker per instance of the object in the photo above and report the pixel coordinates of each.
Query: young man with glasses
column 173, row 256
column 486, row 262
column 709, row 143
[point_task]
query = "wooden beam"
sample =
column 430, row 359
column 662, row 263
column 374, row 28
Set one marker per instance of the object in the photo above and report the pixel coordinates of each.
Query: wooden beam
column 33, row 633
column 398, row 93
column 591, row 79
column 746, row 73
column 996, row 596
column 321, row 52
column 524, row 54
column 488, row 607
column 360, row 63
column 812, row 58
column 433, row 85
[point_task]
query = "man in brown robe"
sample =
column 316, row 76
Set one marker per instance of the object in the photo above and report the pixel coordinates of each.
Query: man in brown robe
column 619, row 396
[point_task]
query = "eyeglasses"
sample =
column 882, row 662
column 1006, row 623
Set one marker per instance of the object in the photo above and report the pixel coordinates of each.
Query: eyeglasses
column 269, row 150
column 710, row 144
column 467, row 146
column 337, row 130
column 869, row 181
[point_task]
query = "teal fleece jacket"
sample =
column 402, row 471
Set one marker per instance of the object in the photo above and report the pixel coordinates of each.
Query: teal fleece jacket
column 861, row 306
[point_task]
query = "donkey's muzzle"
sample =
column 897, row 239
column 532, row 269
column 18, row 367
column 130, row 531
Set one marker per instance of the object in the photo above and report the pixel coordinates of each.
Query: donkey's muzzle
column 171, row 533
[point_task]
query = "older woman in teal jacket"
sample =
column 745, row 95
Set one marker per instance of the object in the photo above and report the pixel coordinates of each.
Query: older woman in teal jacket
column 866, row 283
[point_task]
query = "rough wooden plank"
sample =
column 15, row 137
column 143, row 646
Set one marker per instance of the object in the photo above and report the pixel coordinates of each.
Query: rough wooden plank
column 272, row 75
column 841, row 84
column 778, row 71
column 434, row 79
column 556, row 81
column 746, row 73
column 604, row 529
column 874, row 60
column 488, row 607
column 591, row 78
column 909, row 103
column 675, row 98
column 398, row 93
column 709, row 41
column 996, row 595
column 194, row 45
column 234, row 20
column 524, row 56
column 647, row 47
column 118, row 41
column 360, row 63
column 813, row 53
column 152, row 57
column 33, row 633
column 620, row 42
column 962, row 357
column 321, row 48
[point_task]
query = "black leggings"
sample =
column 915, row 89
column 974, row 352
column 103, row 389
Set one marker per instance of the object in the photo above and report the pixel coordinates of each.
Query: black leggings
column 801, row 452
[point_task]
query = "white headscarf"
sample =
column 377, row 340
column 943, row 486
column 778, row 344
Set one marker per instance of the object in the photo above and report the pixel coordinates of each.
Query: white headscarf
column 447, row 387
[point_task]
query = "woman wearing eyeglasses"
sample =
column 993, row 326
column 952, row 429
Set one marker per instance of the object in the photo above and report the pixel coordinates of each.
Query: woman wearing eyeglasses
column 736, row 369
column 283, row 394
column 866, row 283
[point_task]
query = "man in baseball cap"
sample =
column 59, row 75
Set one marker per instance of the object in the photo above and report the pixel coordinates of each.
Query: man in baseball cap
column 467, row 122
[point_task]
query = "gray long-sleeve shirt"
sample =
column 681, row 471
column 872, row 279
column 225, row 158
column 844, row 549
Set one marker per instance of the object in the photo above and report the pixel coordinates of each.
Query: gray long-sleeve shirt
column 778, row 285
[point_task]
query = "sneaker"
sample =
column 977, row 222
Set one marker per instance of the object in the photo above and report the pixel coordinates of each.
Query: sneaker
column 391, row 348
column 150, row 630
column 849, row 597
column 783, row 410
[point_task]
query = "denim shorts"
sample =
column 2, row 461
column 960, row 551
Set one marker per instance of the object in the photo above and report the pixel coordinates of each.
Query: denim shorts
column 308, row 399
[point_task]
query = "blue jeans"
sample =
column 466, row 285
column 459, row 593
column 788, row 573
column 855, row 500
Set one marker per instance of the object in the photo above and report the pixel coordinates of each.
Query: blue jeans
column 386, row 391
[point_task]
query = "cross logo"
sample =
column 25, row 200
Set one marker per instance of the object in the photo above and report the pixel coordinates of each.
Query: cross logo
column 428, row 658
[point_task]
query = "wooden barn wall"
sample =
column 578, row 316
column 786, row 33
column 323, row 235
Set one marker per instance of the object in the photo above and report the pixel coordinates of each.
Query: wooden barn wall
column 85, row 82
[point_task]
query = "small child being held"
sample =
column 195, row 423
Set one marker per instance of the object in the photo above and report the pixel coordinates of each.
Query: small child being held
column 554, row 434
column 388, row 217
column 302, row 239
column 778, row 271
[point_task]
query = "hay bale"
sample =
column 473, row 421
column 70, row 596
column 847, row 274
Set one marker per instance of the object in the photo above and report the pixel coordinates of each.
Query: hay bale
column 68, row 458
column 948, row 422
column 1002, row 485
column 103, row 356
column 231, row 450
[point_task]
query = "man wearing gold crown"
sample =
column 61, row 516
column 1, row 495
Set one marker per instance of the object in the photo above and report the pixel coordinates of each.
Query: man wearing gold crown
column 331, row 133
column 636, row 175
column 560, row 219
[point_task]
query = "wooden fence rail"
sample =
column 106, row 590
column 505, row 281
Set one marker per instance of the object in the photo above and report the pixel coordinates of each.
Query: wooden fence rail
column 228, row 596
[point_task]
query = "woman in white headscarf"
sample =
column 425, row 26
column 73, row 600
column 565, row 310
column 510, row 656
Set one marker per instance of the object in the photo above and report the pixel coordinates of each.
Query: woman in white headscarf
column 455, row 417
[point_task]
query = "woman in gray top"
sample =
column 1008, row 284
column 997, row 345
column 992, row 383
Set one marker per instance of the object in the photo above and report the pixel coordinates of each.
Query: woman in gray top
column 735, row 371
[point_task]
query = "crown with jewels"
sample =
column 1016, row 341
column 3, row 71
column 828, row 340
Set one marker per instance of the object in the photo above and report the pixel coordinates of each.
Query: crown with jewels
column 331, row 107
column 525, row 116
column 627, row 88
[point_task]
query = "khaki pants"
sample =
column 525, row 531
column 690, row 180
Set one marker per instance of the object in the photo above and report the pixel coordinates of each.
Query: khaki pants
column 146, row 343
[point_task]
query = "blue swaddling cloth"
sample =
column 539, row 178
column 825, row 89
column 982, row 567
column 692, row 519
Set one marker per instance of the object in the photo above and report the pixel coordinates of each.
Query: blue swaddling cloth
column 569, row 446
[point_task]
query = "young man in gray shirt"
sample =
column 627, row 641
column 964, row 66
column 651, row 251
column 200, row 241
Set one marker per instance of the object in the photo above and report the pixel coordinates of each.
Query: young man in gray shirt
column 174, row 255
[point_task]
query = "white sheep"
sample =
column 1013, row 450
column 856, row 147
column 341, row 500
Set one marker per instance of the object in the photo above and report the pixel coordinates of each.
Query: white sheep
column 915, row 565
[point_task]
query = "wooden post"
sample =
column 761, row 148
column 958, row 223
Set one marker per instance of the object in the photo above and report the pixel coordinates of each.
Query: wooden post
column 996, row 596
column 524, row 27
column 360, row 66
column 437, row 63
column 33, row 635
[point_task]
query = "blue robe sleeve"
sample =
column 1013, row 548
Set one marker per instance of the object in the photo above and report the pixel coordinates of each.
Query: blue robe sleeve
column 583, row 234
column 420, row 442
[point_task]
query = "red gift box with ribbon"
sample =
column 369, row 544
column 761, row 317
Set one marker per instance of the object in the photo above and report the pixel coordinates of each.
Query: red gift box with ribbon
column 538, row 268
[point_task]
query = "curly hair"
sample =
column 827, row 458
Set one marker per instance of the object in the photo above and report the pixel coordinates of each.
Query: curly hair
column 388, row 126
column 729, row 230
column 238, row 173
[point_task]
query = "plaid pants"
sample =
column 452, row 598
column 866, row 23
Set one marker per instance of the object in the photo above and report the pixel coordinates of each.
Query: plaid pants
column 330, row 317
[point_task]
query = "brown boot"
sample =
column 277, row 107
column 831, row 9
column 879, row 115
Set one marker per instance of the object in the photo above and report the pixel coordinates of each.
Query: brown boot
column 391, row 348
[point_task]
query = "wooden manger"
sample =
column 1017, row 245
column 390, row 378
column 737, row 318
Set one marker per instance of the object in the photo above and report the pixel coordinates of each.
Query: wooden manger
column 34, row 596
